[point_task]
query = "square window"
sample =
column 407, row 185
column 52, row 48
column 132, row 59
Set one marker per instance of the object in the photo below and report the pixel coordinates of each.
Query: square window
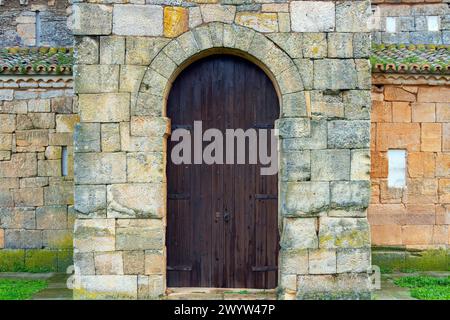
column 433, row 23
column 396, row 168
column 391, row 24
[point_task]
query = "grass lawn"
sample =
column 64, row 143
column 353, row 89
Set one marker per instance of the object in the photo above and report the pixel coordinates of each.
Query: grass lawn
column 12, row 289
column 426, row 288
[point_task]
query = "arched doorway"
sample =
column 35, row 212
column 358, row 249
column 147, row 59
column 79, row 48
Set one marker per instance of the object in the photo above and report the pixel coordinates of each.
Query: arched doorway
column 222, row 219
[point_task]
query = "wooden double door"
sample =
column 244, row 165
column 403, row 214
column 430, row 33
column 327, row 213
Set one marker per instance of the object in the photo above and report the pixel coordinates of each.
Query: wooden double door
column 222, row 225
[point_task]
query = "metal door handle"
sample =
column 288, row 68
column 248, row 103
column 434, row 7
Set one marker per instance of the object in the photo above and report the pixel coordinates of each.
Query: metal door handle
column 226, row 216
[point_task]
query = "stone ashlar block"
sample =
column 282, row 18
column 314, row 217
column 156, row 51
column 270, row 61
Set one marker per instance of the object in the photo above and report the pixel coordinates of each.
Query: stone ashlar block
column 343, row 233
column 110, row 137
column 299, row 233
column 151, row 287
column 353, row 260
column 59, row 194
column 136, row 200
column 94, row 235
column 350, row 194
column 155, row 262
column 142, row 50
column 360, row 164
column 108, row 263
column 304, row 198
column 7, row 123
column 17, row 218
column 176, row 21
column 23, row 239
column 349, row 134
column 261, row 22
column 329, row 75
column 87, row 50
column 91, row 200
column 295, row 166
column 115, row 107
column 20, row 165
column 217, row 12
column 92, row 19
column 330, row 165
column 96, row 79
column 317, row 140
column 133, row 262
column 87, row 137
column 140, row 234
column 294, row 261
column 145, row 167
column 105, row 287
column 84, row 263
column 28, row 197
column 322, row 261
column 293, row 127
column 138, row 20
column 112, row 50
column 100, row 168
column 353, row 16
column 51, row 217
column 312, row 16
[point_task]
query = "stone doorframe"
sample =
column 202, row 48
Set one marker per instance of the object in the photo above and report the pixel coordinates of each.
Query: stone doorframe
column 120, row 250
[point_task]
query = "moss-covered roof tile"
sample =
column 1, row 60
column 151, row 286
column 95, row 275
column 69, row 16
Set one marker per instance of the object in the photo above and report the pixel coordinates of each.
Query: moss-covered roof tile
column 32, row 61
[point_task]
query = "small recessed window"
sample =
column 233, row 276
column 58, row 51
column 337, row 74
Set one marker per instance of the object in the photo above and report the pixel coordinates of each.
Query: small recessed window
column 64, row 161
column 397, row 168
column 433, row 23
column 391, row 24
column 38, row 28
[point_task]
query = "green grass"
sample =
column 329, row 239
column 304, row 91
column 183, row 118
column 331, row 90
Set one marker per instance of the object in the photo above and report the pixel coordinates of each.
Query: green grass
column 426, row 288
column 11, row 289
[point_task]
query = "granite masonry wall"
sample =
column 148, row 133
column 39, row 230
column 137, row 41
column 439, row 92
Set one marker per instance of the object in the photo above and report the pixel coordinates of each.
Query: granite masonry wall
column 415, row 119
column 36, row 193
column 37, row 23
column 416, row 22
column 316, row 53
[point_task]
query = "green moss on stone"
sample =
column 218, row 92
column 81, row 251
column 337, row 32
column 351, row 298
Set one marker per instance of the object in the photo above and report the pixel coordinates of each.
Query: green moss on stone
column 411, row 261
column 12, row 260
column 65, row 259
column 41, row 260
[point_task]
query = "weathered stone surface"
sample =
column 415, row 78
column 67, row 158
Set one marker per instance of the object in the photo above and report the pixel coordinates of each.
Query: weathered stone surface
column 91, row 200
column 142, row 50
column 340, row 45
column 299, row 233
column 100, row 168
column 195, row 17
column 360, row 164
column 261, row 22
column 350, row 194
column 139, row 144
column 294, row 105
column 145, row 126
column 216, row 12
column 39, row 105
column 6, row 197
column 135, row 200
column 343, row 233
column 53, row 152
column 314, row 45
column 293, row 127
column 335, row 74
column 87, row 50
column 304, row 198
column 145, row 167
column 353, row 16
column 66, row 122
column 357, row 104
column 329, row 165
column 318, row 139
column 108, row 263
column 151, row 287
column 103, row 287
column 23, row 239
column 94, row 235
column 28, row 197
column 59, row 194
column 57, row 239
column 155, row 262
column 6, row 141
column 133, row 262
column 112, row 50
column 131, row 77
column 163, row 65
column 343, row 286
column 33, row 182
column 349, row 134
column 51, row 217
column 139, row 234
column 96, row 78
column 20, row 165
column 312, row 16
column 32, row 140
column 353, row 260
column 17, row 218
column 295, row 166
column 91, row 19
column 176, row 21
column 109, row 107
column 138, row 20
column 294, row 261
column 84, row 263
column 87, row 137
column 322, row 261
column 110, row 137
column 7, row 123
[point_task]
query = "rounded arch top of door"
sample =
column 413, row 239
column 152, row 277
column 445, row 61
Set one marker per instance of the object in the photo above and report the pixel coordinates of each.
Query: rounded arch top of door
column 222, row 220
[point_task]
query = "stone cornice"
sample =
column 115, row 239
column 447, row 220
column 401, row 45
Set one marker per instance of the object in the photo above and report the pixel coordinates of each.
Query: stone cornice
column 410, row 78
column 29, row 81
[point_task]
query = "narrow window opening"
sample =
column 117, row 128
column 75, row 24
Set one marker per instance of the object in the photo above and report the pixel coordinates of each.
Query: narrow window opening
column 391, row 24
column 433, row 23
column 64, row 161
column 396, row 168
column 38, row 28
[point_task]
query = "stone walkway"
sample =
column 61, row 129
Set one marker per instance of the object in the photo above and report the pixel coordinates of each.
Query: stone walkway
column 57, row 289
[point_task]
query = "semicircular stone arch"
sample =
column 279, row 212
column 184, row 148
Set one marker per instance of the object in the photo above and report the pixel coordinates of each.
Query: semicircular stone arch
column 221, row 38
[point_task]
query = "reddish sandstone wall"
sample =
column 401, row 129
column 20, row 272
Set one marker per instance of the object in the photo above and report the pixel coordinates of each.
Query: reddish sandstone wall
column 417, row 119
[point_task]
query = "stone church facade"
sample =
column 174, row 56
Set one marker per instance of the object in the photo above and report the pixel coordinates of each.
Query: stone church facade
column 108, row 187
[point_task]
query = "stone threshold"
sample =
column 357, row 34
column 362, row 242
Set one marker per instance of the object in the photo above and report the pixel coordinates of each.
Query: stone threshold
column 192, row 293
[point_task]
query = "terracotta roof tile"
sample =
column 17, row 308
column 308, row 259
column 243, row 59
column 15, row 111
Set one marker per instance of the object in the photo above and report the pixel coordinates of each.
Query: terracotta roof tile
column 36, row 61
column 428, row 59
